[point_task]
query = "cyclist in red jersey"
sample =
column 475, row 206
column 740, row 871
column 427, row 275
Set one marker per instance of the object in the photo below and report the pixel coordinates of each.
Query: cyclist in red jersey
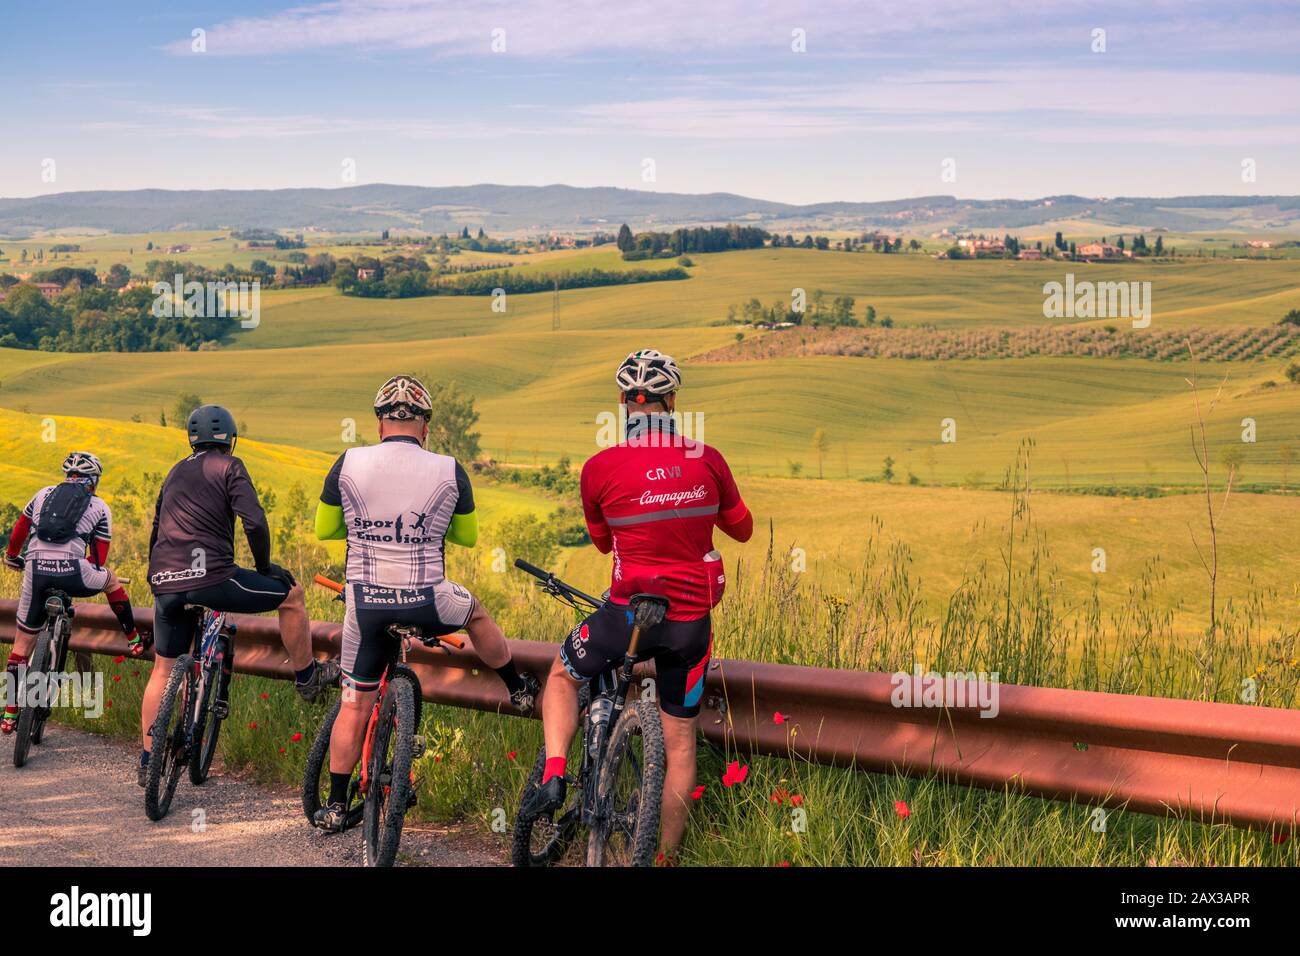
column 652, row 500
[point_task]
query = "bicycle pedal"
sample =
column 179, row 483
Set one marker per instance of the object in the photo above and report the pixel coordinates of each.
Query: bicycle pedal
column 220, row 709
column 418, row 746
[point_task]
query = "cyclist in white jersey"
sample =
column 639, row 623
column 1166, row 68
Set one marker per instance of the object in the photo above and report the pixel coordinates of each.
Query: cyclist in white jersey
column 395, row 503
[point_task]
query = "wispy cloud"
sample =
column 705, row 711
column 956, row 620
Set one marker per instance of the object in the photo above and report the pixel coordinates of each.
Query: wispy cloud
column 229, row 123
column 598, row 27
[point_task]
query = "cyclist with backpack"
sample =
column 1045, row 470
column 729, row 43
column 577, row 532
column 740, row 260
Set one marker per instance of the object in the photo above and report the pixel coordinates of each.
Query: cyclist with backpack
column 73, row 529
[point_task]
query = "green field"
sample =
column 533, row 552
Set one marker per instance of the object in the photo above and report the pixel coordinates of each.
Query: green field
column 845, row 569
column 1097, row 425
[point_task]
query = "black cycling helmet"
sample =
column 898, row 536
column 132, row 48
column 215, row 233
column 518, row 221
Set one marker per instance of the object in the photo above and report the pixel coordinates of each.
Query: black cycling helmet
column 212, row 425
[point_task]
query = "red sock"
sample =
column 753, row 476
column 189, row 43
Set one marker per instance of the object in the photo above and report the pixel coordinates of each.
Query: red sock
column 554, row 767
column 120, row 602
column 15, row 662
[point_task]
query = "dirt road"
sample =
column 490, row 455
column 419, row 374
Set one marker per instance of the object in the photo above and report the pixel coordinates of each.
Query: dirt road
column 76, row 803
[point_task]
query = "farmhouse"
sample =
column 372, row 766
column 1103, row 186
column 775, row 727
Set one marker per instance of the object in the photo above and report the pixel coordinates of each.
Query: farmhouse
column 364, row 275
column 50, row 290
column 982, row 247
column 1099, row 250
column 1259, row 244
column 173, row 250
column 1030, row 254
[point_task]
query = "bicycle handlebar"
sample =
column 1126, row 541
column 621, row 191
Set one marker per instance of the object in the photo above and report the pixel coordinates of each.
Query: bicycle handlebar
column 553, row 585
column 328, row 583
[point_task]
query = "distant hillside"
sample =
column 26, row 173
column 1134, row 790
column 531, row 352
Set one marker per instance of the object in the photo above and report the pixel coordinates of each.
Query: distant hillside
column 502, row 209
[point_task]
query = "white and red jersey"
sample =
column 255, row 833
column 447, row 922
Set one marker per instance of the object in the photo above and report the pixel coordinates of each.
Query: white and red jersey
column 654, row 500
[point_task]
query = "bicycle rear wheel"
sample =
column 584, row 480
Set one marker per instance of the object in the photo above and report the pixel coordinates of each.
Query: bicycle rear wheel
column 629, row 790
column 168, row 755
column 388, row 793
column 29, row 717
column 316, row 775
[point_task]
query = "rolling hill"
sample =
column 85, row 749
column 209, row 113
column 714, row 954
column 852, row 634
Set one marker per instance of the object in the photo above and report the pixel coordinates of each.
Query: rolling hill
column 501, row 208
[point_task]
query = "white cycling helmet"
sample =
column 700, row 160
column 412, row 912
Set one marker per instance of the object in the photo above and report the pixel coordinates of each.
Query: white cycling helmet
column 403, row 398
column 82, row 464
column 648, row 372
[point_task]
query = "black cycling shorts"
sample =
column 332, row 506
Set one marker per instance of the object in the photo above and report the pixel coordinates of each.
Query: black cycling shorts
column 680, row 650
column 175, row 625
column 438, row 609
column 75, row 577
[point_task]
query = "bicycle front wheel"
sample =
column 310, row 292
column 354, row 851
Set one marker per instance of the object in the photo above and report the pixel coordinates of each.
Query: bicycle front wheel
column 628, row 790
column 207, row 725
column 389, row 790
column 57, row 661
column 316, row 775
column 544, row 841
column 168, row 755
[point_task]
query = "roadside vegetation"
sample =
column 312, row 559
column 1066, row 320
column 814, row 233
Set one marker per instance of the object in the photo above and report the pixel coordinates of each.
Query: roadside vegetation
column 1005, row 616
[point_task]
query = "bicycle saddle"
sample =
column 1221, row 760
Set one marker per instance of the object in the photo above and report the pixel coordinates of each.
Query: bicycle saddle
column 648, row 609
column 57, row 602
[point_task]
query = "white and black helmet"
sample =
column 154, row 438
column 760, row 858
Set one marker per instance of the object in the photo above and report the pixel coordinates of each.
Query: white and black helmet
column 648, row 372
column 82, row 464
column 403, row 398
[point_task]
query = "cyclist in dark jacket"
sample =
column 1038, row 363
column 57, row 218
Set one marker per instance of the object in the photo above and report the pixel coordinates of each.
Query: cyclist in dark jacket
column 192, row 563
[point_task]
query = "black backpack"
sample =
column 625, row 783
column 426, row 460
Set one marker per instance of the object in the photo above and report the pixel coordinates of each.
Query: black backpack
column 61, row 511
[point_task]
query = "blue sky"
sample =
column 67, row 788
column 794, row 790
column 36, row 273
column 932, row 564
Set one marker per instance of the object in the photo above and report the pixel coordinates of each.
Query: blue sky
column 713, row 92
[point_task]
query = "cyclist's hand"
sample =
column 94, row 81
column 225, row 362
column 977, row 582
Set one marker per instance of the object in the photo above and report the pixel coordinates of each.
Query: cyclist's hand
column 277, row 573
column 16, row 563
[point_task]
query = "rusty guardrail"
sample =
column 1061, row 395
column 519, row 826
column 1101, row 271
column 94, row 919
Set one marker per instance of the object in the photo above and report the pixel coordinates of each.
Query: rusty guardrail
column 1213, row 762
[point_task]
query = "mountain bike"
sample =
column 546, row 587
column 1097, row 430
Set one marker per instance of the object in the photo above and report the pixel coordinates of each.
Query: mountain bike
column 196, row 701
column 617, row 791
column 48, row 659
column 383, row 786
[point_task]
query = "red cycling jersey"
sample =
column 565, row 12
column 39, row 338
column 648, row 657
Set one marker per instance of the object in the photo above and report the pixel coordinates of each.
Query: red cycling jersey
column 654, row 500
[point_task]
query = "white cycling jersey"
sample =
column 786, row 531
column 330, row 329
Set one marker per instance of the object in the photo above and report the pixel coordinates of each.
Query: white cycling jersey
column 398, row 501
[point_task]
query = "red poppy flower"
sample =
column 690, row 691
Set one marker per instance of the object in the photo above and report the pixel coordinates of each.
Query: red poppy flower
column 296, row 737
column 698, row 792
column 117, row 678
column 108, row 703
column 1280, row 838
column 252, row 725
column 282, row 750
column 784, row 863
column 119, row 659
column 511, row 755
column 780, row 718
column 796, row 800
column 265, row 696
column 902, row 809
column 735, row 774
column 779, row 795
